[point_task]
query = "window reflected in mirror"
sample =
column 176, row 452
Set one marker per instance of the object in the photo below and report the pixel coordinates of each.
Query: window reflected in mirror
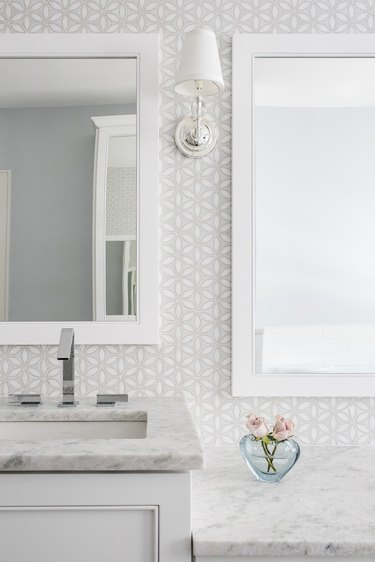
column 314, row 227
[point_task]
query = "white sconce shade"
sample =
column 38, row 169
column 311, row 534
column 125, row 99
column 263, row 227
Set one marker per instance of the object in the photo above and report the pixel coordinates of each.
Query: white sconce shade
column 199, row 65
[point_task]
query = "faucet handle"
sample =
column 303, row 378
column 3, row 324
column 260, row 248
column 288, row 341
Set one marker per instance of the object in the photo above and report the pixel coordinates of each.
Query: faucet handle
column 25, row 399
column 111, row 399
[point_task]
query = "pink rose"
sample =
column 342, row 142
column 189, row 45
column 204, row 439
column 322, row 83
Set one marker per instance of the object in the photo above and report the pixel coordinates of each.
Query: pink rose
column 283, row 429
column 257, row 425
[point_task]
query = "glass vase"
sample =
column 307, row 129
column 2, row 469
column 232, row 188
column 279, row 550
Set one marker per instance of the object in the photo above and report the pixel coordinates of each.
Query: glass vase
column 269, row 463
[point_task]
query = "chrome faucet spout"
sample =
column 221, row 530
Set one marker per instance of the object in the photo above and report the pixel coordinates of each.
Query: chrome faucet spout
column 66, row 344
column 66, row 354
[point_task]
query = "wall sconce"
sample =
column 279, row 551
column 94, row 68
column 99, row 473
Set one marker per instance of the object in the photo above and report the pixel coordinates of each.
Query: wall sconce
column 199, row 75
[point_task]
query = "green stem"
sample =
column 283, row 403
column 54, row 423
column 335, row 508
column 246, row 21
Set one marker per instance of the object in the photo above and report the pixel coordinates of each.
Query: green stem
column 272, row 457
column 269, row 457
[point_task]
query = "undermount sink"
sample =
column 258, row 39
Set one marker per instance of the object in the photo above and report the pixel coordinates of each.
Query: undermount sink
column 88, row 429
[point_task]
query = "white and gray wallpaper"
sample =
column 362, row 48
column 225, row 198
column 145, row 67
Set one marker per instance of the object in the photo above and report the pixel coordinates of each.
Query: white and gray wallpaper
column 193, row 358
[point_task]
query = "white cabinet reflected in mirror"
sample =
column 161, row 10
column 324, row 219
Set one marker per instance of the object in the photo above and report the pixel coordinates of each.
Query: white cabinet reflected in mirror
column 306, row 219
column 115, row 218
column 121, row 230
column 76, row 128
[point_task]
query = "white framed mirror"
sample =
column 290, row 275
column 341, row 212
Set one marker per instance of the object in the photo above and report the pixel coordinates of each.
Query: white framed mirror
column 79, row 188
column 303, row 227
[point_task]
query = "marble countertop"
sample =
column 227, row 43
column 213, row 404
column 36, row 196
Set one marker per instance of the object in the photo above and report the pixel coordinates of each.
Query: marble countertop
column 171, row 443
column 324, row 507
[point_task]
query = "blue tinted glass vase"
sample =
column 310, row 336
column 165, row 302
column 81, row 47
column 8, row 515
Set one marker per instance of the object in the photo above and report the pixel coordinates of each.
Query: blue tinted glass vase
column 269, row 463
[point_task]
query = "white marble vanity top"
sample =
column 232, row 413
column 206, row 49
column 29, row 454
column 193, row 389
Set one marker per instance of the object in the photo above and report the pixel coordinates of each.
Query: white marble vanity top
column 171, row 443
column 324, row 507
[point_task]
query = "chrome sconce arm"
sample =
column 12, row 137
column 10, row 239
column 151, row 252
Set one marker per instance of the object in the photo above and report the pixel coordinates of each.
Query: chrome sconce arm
column 196, row 135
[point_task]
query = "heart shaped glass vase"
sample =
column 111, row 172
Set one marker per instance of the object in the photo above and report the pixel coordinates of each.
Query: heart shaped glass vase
column 269, row 462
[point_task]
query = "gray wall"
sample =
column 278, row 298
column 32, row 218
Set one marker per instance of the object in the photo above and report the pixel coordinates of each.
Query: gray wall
column 51, row 154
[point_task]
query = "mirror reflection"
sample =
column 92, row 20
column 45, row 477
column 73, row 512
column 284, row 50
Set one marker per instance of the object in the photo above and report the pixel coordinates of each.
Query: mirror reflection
column 314, row 121
column 48, row 158
column 121, row 227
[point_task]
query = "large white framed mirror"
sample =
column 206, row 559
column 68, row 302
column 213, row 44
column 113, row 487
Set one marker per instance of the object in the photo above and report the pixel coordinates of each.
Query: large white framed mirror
column 303, row 219
column 79, row 188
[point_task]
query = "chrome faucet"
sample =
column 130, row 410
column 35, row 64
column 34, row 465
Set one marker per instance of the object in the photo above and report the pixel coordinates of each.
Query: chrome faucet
column 66, row 354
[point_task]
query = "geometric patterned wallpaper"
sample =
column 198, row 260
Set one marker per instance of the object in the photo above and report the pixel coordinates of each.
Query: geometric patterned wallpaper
column 193, row 358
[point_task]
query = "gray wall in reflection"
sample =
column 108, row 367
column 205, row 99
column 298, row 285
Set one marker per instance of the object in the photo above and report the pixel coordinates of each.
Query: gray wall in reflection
column 315, row 226
column 50, row 152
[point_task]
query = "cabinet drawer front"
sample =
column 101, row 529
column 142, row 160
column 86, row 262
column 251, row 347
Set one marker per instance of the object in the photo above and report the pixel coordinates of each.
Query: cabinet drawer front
column 77, row 534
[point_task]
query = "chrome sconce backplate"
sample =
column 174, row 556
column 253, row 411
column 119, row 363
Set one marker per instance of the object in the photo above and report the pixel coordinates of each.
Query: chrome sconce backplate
column 196, row 135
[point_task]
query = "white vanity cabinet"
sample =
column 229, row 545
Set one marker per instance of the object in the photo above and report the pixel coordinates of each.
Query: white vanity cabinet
column 122, row 517
column 97, row 484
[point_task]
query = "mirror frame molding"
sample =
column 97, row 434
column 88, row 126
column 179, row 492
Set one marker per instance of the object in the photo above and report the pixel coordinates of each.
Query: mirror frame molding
column 144, row 47
column 245, row 380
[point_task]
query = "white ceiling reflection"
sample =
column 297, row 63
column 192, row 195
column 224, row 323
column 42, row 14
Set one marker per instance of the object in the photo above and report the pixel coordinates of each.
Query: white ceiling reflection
column 314, row 82
column 67, row 82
